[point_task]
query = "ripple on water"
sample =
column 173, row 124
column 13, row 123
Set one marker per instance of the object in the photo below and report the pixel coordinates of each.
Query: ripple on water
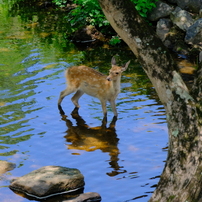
column 122, row 161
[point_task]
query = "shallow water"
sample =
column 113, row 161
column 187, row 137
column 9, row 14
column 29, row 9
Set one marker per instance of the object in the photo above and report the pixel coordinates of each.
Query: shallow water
column 121, row 163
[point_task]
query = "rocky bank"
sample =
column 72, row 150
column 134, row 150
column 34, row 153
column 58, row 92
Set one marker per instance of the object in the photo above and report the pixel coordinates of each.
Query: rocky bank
column 179, row 25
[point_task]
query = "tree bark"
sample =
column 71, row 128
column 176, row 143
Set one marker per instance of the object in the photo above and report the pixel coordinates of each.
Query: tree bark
column 181, row 179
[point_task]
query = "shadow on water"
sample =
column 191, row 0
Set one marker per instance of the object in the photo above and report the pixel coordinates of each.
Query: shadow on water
column 85, row 137
column 58, row 198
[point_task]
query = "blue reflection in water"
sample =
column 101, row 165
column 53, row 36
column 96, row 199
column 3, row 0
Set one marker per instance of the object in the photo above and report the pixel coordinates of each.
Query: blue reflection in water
column 121, row 161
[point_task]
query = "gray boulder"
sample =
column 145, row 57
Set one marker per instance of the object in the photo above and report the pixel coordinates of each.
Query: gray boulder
column 49, row 181
column 6, row 166
column 181, row 18
column 160, row 11
column 163, row 27
column 86, row 197
column 190, row 5
column 194, row 33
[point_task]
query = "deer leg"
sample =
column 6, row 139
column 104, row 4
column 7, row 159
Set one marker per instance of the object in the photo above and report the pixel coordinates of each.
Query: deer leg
column 113, row 106
column 104, row 107
column 76, row 97
column 64, row 93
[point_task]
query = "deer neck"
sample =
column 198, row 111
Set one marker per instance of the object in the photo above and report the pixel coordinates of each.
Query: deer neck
column 116, row 84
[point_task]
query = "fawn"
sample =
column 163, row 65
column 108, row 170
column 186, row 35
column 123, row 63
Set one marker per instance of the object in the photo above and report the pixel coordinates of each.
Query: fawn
column 83, row 79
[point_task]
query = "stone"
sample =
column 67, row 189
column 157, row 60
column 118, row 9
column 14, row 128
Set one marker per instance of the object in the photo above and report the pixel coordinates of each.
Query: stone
column 86, row 197
column 200, row 56
column 163, row 27
column 194, row 33
column 200, row 13
column 6, row 166
column 174, row 35
column 190, row 5
column 160, row 11
column 181, row 48
column 49, row 181
column 172, row 1
column 181, row 18
column 88, row 34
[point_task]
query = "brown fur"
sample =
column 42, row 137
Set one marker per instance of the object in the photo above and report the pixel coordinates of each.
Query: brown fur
column 83, row 79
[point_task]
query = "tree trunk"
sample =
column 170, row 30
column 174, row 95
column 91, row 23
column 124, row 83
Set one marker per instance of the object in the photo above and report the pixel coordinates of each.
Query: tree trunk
column 181, row 179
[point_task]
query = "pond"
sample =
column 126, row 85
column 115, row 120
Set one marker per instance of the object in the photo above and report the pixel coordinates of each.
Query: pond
column 122, row 161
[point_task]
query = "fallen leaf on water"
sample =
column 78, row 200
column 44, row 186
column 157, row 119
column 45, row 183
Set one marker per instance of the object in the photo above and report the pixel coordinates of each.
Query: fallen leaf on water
column 4, row 50
column 50, row 66
column 44, row 34
column 2, row 104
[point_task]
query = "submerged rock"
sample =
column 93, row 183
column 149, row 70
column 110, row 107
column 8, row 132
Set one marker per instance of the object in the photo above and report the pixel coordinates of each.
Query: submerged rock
column 6, row 166
column 49, row 181
column 88, row 34
column 86, row 197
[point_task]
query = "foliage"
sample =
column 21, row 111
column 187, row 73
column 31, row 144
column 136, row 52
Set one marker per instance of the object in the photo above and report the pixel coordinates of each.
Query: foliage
column 60, row 3
column 114, row 40
column 87, row 12
column 144, row 6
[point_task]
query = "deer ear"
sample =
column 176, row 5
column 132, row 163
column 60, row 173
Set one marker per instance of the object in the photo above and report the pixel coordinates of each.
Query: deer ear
column 113, row 61
column 124, row 67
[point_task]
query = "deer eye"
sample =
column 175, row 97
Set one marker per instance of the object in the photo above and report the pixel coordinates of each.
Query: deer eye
column 117, row 72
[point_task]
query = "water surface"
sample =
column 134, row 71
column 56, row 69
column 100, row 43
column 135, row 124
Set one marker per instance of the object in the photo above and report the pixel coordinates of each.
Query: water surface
column 122, row 161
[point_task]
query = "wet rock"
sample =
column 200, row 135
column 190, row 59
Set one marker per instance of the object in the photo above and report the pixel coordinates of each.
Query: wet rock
column 174, row 35
column 172, row 1
column 194, row 33
column 181, row 18
column 6, row 166
column 69, row 7
column 88, row 34
column 200, row 56
column 160, row 11
column 190, row 5
column 163, row 27
column 49, row 181
column 181, row 48
column 86, row 197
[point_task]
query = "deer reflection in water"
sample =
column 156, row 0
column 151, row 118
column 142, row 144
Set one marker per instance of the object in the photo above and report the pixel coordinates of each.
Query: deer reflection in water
column 84, row 137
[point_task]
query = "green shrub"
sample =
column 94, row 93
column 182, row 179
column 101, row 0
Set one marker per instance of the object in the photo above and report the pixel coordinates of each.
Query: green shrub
column 60, row 3
column 144, row 6
column 114, row 40
column 87, row 12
